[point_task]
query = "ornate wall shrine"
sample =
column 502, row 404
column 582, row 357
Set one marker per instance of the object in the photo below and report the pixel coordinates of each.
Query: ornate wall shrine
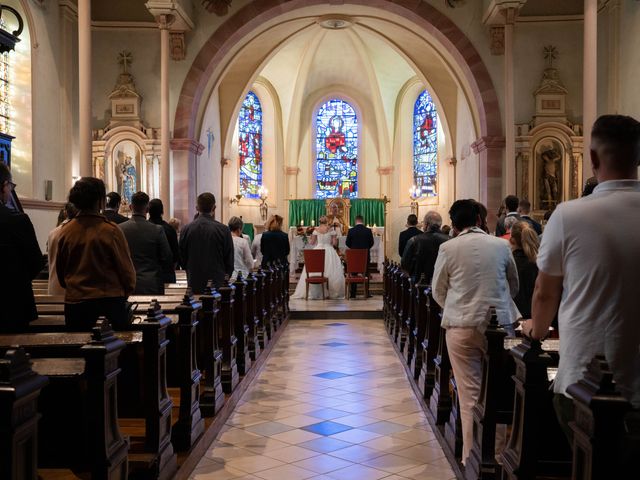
column 126, row 153
column 549, row 148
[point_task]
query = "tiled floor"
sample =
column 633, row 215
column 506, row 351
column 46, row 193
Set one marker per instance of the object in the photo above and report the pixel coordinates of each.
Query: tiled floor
column 332, row 402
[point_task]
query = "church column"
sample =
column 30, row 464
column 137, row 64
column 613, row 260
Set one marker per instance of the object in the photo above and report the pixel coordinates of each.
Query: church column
column 489, row 151
column 590, row 80
column 509, row 114
column 84, row 86
column 164, row 22
column 185, row 160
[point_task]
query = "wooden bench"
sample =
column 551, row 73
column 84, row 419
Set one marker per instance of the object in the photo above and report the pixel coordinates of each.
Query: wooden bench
column 79, row 426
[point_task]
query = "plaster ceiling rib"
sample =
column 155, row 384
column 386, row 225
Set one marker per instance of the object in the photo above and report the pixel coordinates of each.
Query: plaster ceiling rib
column 294, row 132
column 241, row 70
column 440, row 78
column 381, row 140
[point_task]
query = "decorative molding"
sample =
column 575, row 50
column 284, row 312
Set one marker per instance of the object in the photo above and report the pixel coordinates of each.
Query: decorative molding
column 386, row 170
column 219, row 7
column 486, row 143
column 496, row 35
column 35, row 204
column 177, row 46
column 186, row 144
column 291, row 170
column 122, row 25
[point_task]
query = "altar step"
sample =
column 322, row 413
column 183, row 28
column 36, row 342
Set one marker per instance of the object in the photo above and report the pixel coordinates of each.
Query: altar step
column 358, row 308
column 375, row 288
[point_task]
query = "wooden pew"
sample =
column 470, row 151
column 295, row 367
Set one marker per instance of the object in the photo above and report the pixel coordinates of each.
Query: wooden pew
column 20, row 388
column 495, row 405
column 241, row 329
column 209, row 352
column 143, row 387
column 252, row 316
column 602, row 446
column 385, row 292
column 440, row 398
column 227, row 339
column 420, row 327
column 414, row 298
column 264, row 330
column 81, row 430
column 537, row 447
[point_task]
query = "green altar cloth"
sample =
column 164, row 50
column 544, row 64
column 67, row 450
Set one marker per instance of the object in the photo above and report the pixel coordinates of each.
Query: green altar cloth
column 372, row 209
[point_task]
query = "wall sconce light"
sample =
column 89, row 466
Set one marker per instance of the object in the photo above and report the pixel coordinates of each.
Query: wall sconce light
column 414, row 195
column 263, row 193
column 236, row 199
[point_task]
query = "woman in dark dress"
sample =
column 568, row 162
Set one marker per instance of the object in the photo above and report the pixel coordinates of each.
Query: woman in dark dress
column 524, row 244
column 274, row 243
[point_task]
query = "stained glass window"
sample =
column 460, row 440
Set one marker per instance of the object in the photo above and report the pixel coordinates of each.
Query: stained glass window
column 336, row 150
column 425, row 145
column 5, row 99
column 250, row 146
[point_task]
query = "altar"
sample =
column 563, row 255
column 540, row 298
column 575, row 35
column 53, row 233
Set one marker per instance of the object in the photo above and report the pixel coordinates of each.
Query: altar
column 299, row 243
column 304, row 215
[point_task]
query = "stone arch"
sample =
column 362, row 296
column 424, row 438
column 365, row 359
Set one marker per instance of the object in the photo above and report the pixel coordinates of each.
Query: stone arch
column 482, row 97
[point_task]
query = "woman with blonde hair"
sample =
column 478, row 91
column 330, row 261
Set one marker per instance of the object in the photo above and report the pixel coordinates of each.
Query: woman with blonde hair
column 274, row 243
column 324, row 237
column 524, row 243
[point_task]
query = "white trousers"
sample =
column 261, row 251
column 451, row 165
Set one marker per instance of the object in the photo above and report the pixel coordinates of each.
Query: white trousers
column 466, row 347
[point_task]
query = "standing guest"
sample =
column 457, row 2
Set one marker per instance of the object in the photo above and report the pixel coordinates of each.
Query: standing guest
column 111, row 209
column 589, row 274
column 255, row 247
column 242, row 259
column 175, row 224
column 93, row 262
column 511, row 205
column 360, row 236
column 149, row 248
column 509, row 222
column 206, row 247
column 472, row 255
column 274, row 243
column 524, row 208
column 52, row 248
column 483, row 212
column 446, row 229
column 524, row 246
column 21, row 261
column 422, row 250
column 156, row 210
column 589, row 186
column 411, row 231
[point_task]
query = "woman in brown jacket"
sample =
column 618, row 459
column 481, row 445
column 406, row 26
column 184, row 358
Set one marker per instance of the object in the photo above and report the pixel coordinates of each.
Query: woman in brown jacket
column 93, row 261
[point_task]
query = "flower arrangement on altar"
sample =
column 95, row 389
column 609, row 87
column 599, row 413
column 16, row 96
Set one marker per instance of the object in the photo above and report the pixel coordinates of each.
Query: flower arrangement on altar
column 305, row 232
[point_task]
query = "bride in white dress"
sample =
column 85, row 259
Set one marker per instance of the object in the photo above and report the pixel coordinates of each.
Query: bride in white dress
column 324, row 238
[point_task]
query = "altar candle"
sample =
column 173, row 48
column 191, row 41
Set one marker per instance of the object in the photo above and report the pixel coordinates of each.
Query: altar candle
column 302, row 223
column 313, row 223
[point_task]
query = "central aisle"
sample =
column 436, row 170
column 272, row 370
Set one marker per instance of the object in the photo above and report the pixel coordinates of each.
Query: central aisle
column 333, row 402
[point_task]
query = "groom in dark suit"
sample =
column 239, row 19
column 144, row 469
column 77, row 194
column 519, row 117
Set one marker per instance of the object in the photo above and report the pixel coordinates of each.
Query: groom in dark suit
column 360, row 237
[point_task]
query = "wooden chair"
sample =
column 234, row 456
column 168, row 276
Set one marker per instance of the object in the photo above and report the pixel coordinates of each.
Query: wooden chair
column 314, row 263
column 356, row 271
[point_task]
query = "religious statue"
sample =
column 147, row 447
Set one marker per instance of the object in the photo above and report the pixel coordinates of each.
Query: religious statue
column 550, row 195
column 127, row 177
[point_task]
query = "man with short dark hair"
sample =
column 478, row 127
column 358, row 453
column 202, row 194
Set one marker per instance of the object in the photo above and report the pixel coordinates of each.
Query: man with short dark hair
column 422, row 250
column 473, row 272
column 156, row 210
column 360, row 236
column 406, row 235
column 149, row 247
column 111, row 208
column 588, row 274
column 511, row 205
column 20, row 261
column 524, row 208
column 206, row 247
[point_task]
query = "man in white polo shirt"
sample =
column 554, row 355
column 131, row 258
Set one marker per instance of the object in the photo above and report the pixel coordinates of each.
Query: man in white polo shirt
column 588, row 273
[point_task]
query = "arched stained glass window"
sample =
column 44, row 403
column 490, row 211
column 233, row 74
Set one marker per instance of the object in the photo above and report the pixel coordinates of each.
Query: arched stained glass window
column 250, row 146
column 425, row 145
column 336, row 150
